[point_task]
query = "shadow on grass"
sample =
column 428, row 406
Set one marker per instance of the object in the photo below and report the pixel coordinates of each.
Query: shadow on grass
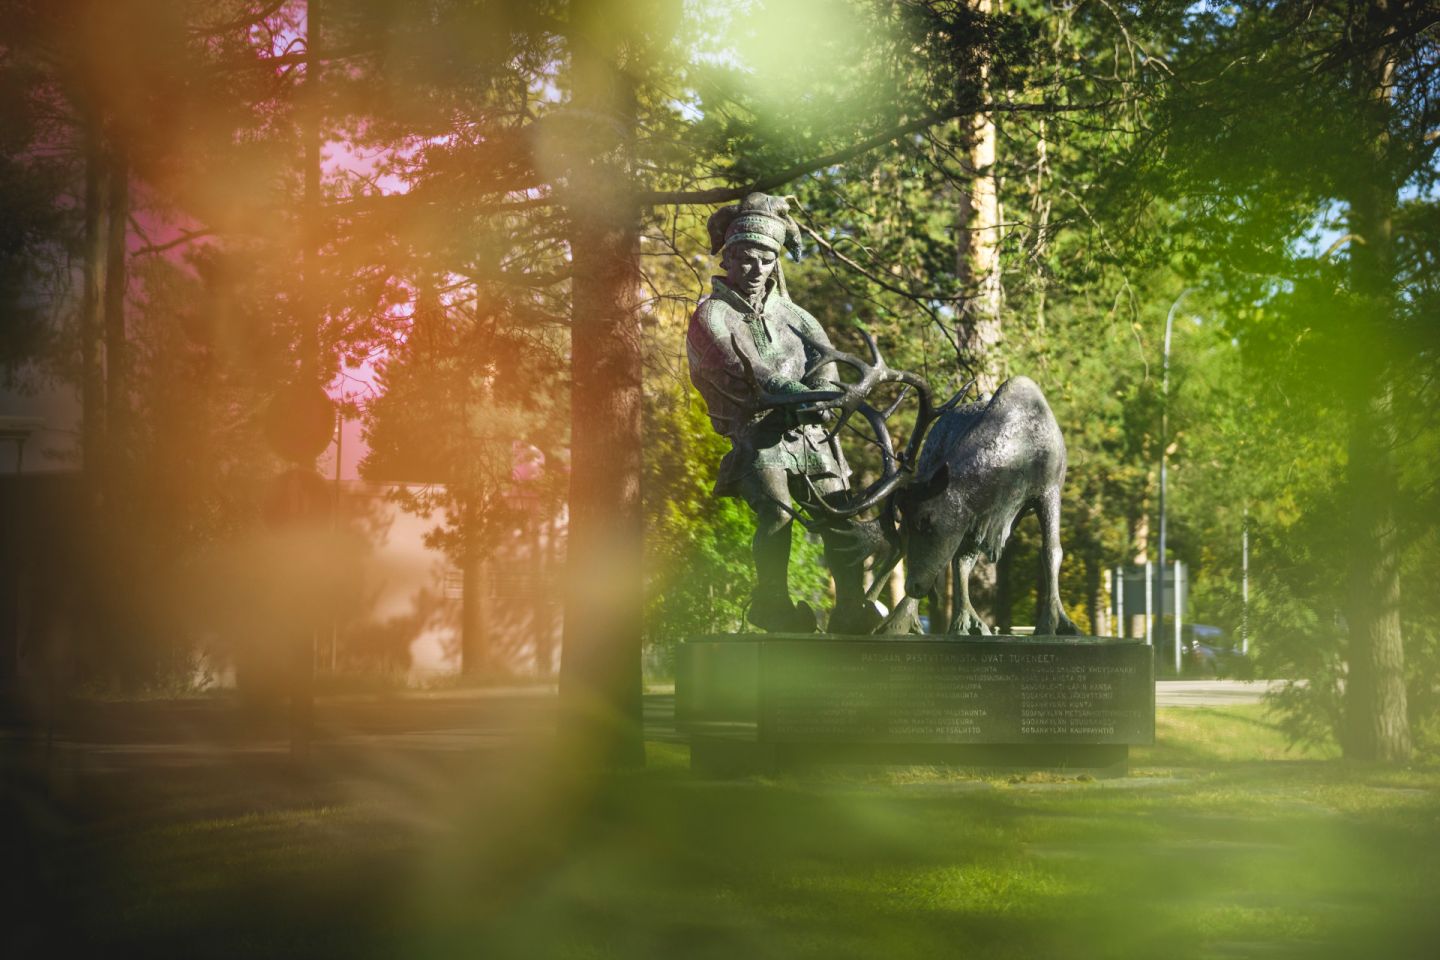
column 394, row 849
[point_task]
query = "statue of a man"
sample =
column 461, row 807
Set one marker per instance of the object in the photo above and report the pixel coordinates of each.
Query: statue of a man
column 772, row 450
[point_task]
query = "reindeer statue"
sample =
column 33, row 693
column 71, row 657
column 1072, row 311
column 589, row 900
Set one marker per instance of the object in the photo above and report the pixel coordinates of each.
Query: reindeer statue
column 969, row 471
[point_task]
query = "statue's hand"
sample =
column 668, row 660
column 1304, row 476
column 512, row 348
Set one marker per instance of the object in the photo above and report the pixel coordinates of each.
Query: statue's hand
column 836, row 396
column 851, row 398
column 811, row 414
column 808, row 405
column 835, row 411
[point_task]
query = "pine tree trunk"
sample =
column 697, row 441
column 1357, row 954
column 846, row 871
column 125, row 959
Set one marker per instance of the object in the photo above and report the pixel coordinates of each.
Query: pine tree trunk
column 977, row 266
column 600, row 681
column 1092, row 592
column 113, row 530
column 474, row 617
column 1140, row 554
column 1004, row 618
column 117, row 351
column 92, row 329
column 977, row 256
column 95, row 653
column 1376, row 714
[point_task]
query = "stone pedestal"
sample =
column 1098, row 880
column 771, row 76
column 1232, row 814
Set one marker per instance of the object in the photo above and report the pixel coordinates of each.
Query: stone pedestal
column 764, row 703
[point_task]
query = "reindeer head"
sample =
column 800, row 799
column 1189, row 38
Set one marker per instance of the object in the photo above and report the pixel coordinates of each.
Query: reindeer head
column 898, row 469
column 925, row 517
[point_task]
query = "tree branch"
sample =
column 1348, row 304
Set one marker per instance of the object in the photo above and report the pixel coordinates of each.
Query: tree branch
column 1340, row 243
column 533, row 280
column 1396, row 33
column 724, row 194
column 916, row 295
column 185, row 237
column 917, row 300
column 248, row 20
column 290, row 59
column 372, row 203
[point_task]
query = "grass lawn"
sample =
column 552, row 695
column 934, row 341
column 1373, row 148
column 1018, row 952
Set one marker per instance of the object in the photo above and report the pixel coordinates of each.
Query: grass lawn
column 1222, row 844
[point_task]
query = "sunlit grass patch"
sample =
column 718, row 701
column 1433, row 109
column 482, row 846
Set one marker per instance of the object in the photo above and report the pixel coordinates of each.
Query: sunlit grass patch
column 1240, row 733
column 1201, row 921
column 1225, row 854
column 666, row 756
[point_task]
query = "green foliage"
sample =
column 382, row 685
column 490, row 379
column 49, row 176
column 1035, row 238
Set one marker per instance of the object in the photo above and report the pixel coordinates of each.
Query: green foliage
column 698, row 545
column 460, row 425
column 1296, row 177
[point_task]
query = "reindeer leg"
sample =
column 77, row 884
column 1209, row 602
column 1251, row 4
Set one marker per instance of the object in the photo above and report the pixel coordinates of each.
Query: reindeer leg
column 881, row 574
column 1050, row 619
column 966, row 621
column 903, row 620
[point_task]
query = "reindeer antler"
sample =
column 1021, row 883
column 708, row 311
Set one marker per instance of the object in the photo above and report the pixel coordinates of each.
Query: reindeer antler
column 873, row 374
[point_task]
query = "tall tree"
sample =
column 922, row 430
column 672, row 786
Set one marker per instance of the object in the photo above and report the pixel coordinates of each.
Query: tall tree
column 610, row 51
column 1376, row 716
column 1330, row 128
column 979, row 236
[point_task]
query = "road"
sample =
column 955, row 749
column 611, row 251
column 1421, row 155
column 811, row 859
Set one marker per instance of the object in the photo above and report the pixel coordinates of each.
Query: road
column 1211, row 693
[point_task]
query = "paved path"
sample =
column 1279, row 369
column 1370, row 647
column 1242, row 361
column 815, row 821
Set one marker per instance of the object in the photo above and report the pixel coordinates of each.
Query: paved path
column 1211, row 693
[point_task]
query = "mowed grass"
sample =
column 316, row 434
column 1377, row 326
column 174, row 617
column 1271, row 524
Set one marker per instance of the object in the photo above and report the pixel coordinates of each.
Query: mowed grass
column 1224, row 843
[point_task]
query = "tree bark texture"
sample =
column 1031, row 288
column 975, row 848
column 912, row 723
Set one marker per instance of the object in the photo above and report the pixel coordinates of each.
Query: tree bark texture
column 600, row 681
column 1376, row 712
column 474, row 615
column 1139, row 525
column 1092, row 593
column 977, row 257
column 117, row 350
column 92, row 329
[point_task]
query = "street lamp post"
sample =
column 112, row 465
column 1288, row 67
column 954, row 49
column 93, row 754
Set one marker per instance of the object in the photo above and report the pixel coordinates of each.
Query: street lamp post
column 1164, row 441
column 1245, row 584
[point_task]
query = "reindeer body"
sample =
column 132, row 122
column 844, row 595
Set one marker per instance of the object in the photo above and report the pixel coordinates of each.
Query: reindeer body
column 982, row 467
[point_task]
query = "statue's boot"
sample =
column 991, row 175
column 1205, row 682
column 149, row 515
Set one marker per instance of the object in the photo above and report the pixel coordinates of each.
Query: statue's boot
column 776, row 614
column 855, row 617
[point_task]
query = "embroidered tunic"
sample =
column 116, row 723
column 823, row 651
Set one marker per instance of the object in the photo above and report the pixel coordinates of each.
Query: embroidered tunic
column 760, row 439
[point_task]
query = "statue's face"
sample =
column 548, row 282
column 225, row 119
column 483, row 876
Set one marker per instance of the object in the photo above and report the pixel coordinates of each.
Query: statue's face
column 748, row 269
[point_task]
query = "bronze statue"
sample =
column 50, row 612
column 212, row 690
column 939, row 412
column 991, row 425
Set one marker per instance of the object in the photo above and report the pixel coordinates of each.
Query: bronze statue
column 968, row 473
column 750, row 348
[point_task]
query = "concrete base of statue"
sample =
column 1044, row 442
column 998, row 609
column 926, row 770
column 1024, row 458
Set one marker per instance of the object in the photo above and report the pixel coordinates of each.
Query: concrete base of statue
column 767, row 703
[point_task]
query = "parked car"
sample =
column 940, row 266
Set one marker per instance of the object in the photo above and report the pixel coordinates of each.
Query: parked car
column 1209, row 652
